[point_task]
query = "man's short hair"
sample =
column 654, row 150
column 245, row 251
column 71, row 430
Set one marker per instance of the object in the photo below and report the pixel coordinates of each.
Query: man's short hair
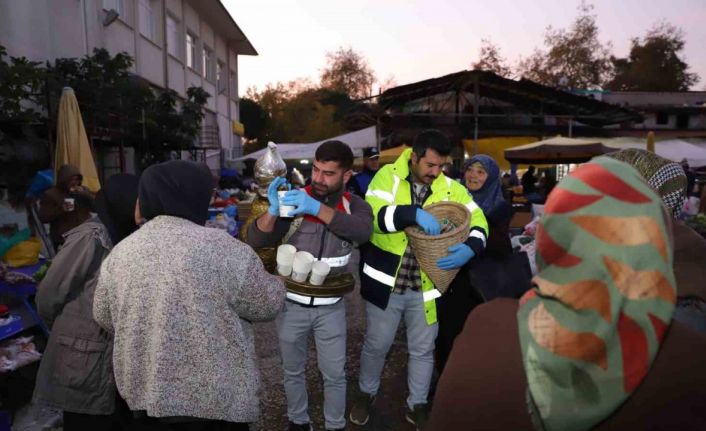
column 431, row 139
column 335, row 151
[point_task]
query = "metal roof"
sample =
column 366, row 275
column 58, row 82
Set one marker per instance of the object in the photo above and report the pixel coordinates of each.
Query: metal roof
column 523, row 93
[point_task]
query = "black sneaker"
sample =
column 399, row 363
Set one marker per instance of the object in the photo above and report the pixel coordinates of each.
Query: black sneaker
column 418, row 416
column 360, row 412
column 300, row 427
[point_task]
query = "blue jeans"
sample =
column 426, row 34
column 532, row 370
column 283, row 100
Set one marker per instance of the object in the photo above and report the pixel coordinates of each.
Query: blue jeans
column 379, row 335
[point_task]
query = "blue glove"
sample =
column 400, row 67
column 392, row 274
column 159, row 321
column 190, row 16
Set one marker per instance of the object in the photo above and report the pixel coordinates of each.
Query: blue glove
column 427, row 222
column 304, row 203
column 272, row 195
column 459, row 254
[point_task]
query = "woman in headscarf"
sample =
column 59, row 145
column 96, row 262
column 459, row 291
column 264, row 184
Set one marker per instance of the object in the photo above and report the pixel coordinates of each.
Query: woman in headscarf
column 481, row 176
column 669, row 180
column 76, row 371
column 482, row 179
column 593, row 345
column 180, row 299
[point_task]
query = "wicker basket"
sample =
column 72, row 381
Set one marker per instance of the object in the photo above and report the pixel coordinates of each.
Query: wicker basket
column 428, row 249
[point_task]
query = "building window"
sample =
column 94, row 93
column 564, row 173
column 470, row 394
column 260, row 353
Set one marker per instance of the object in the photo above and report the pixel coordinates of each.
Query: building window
column 662, row 118
column 682, row 121
column 221, row 77
column 191, row 46
column 233, row 84
column 173, row 39
column 209, row 69
column 117, row 5
column 147, row 20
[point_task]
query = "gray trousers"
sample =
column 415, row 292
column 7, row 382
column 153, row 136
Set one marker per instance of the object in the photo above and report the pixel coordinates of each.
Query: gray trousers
column 329, row 325
column 379, row 335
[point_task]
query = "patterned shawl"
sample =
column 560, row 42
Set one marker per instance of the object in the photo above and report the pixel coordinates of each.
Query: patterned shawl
column 603, row 297
column 667, row 178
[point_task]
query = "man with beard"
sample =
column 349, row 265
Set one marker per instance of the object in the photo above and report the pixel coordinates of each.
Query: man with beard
column 391, row 280
column 328, row 222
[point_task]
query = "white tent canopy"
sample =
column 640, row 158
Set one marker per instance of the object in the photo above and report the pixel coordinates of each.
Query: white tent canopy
column 671, row 149
column 356, row 140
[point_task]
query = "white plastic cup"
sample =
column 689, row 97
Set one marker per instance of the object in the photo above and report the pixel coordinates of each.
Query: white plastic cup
column 284, row 210
column 301, row 266
column 319, row 271
column 285, row 257
column 70, row 204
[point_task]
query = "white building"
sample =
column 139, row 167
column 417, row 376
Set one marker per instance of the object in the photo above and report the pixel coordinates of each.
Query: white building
column 175, row 43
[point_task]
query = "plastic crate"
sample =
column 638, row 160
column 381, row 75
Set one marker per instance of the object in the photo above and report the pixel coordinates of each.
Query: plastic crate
column 12, row 328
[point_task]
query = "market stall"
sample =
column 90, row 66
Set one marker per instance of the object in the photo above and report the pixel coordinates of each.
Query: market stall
column 557, row 150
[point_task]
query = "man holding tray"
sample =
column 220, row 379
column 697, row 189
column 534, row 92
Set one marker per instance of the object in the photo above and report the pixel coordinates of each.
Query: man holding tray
column 328, row 222
column 392, row 282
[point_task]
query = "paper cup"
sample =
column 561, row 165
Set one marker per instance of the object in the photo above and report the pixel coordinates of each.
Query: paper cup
column 70, row 203
column 319, row 271
column 285, row 253
column 284, row 270
column 285, row 257
column 301, row 266
column 284, row 210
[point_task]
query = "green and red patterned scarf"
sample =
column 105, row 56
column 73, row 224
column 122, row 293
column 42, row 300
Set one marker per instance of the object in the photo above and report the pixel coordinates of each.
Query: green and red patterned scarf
column 603, row 297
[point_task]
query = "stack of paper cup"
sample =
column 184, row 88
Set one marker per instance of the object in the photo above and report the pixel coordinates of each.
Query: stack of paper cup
column 301, row 265
column 284, row 210
column 285, row 259
column 319, row 271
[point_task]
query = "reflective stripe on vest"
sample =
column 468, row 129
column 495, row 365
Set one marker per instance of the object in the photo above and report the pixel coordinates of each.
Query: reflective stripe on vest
column 378, row 275
column 380, row 194
column 477, row 234
column 335, row 262
column 431, row 295
column 472, row 206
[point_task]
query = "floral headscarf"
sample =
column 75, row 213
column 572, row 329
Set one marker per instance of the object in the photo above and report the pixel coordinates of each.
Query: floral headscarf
column 603, row 297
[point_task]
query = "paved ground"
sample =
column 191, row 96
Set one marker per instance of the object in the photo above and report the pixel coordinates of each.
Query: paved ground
column 389, row 406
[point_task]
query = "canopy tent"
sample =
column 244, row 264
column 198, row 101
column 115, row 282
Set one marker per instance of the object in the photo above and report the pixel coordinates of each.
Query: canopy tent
column 694, row 151
column 356, row 140
column 557, row 150
column 72, row 145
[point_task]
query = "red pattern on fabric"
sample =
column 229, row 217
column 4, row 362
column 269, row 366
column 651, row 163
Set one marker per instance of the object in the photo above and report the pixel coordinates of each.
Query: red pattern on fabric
column 659, row 326
column 636, row 360
column 552, row 253
column 606, row 182
column 564, row 201
column 530, row 294
column 339, row 206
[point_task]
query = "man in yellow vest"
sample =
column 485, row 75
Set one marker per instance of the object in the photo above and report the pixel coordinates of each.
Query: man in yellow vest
column 392, row 282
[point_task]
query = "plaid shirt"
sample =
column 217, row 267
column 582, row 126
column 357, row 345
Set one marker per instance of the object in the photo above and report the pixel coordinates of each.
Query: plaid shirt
column 410, row 275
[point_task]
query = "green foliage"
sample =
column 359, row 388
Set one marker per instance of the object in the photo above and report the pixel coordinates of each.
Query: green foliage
column 574, row 57
column 490, row 59
column 254, row 118
column 293, row 112
column 20, row 82
column 124, row 107
column 654, row 63
column 348, row 72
